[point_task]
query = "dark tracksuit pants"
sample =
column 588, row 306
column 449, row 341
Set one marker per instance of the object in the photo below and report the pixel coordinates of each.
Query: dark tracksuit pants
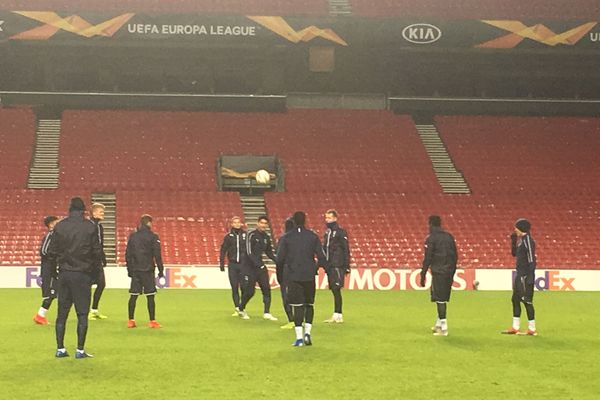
column 286, row 303
column 235, row 280
column 99, row 279
column 249, row 280
column 74, row 289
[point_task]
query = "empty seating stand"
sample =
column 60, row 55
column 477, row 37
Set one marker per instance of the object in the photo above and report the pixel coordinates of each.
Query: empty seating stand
column 21, row 221
column 544, row 169
column 349, row 151
column 370, row 165
column 477, row 9
column 17, row 137
column 191, row 225
column 388, row 230
column 224, row 7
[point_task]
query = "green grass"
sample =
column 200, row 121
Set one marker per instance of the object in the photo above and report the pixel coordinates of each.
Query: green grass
column 383, row 350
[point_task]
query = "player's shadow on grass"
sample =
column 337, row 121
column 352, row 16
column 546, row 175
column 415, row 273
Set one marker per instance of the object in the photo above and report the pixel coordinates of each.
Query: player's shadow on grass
column 460, row 342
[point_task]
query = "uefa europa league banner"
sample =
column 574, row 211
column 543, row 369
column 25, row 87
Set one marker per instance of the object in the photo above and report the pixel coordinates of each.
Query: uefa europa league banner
column 198, row 30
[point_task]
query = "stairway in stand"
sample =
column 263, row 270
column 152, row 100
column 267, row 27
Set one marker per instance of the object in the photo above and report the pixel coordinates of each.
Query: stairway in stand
column 451, row 180
column 340, row 8
column 44, row 170
column 110, row 224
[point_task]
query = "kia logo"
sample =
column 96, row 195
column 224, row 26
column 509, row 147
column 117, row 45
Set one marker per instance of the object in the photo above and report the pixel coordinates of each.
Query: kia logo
column 422, row 33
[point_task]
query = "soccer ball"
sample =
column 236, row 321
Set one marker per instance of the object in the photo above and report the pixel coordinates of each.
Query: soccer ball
column 263, row 177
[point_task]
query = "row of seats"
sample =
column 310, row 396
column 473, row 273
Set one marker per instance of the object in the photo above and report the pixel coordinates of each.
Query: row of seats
column 477, row 9
column 522, row 156
column 21, row 224
column 390, row 230
column 345, row 150
column 370, row 165
column 17, row 136
column 440, row 9
column 191, row 225
column 226, row 7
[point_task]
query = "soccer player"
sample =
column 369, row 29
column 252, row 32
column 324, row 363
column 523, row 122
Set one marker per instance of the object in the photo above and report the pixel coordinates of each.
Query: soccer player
column 289, row 226
column 337, row 252
column 441, row 257
column 48, row 271
column 296, row 253
column 98, row 277
column 234, row 246
column 254, row 270
column 523, row 249
column 142, row 255
column 76, row 246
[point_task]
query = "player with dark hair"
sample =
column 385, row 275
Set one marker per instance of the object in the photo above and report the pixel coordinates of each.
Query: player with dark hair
column 337, row 252
column 48, row 272
column 98, row 277
column 289, row 226
column 142, row 256
column 441, row 256
column 254, row 270
column 523, row 249
column 234, row 246
column 296, row 254
column 76, row 246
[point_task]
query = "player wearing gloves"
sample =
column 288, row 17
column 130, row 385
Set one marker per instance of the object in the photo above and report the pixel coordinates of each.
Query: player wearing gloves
column 254, row 270
column 337, row 253
column 142, row 256
column 441, row 257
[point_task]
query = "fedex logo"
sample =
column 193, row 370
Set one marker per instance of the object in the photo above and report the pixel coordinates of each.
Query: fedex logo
column 175, row 279
column 553, row 280
column 32, row 274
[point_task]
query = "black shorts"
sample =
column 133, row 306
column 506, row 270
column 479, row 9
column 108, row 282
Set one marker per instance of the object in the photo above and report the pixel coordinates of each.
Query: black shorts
column 441, row 287
column 301, row 293
column 143, row 282
column 336, row 277
column 523, row 288
column 49, row 283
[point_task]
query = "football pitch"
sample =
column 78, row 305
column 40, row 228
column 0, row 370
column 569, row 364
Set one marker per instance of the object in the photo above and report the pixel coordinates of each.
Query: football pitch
column 384, row 350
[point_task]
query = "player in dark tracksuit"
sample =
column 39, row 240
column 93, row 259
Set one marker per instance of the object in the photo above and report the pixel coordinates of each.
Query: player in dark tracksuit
column 523, row 249
column 234, row 246
column 441, row 257
column 337, row 252
column 289, row 226
column 76, row 246
column 254, row 270
column 98, row 277
column 142, row 256
column 48, row 272
column 296, row 254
